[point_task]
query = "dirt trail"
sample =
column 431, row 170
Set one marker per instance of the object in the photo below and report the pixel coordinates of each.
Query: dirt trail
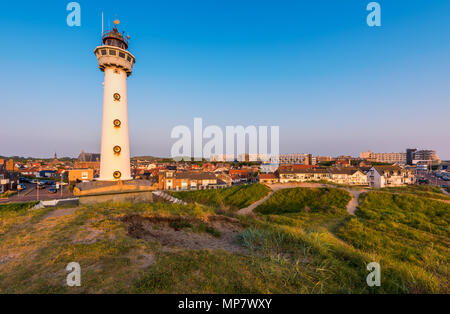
column 445, row 191
column 354, row 202
column 351, row 206
column 248, row 211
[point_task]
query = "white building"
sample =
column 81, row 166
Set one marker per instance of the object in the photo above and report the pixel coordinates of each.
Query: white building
column 387, row 176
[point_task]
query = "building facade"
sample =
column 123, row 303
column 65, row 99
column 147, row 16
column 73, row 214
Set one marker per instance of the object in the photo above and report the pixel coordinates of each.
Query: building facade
column 171, row 180
column 348, row 176
column 79, row 175
column 8, row 180
column 390, row 158
column 300, row 159
column 389, row 176
column 88, row 161
column 302, row 175
column 268, row 178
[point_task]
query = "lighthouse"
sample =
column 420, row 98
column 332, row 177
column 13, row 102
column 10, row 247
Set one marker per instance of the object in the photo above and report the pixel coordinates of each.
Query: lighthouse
column 116, row 62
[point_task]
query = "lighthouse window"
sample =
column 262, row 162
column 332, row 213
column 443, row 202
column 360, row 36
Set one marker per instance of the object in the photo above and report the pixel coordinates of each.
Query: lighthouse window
column 122, row 55
column 117, row 123
column 103, row 52
column 112, row 52
column 129, row 59
column 117, row 149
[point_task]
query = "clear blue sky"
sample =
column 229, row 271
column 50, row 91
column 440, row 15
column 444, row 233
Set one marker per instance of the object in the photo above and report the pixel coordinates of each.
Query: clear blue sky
column 332, row 84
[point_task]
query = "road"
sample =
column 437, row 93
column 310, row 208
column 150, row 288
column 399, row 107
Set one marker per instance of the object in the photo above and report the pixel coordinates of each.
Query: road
column 31, row 194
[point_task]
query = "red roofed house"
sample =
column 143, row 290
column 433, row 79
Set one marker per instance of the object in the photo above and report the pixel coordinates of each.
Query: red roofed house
column 268, row 178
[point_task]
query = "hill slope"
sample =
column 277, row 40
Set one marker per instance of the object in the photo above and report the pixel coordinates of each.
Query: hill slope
column 167, row 248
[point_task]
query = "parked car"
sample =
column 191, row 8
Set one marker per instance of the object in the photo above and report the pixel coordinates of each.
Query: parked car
column 52, row 190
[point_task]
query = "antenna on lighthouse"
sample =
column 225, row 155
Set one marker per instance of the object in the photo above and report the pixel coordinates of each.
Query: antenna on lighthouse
column 102, row 25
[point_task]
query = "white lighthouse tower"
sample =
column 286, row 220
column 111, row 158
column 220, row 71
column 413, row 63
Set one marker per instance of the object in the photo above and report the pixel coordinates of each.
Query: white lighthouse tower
column 116, row 62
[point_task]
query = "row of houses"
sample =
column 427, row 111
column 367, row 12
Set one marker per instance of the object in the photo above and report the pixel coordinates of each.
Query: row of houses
column 189, row 180
column 377, row 176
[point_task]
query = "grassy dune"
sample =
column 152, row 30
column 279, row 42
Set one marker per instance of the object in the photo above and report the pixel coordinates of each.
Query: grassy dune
column 424, row 191
column 236, row 197
column 408, row 232
column 285, row 249
column 296, row 200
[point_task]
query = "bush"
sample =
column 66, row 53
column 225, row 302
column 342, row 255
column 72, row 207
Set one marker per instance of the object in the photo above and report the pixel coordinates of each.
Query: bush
column 8, row 194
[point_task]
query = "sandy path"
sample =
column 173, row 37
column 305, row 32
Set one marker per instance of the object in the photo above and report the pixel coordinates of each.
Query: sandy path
column 354, row 202
column 249, row 210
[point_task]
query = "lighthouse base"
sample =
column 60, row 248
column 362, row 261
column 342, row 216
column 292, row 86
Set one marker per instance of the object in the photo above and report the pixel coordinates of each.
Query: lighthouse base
column 113, row 180
column 134, row 191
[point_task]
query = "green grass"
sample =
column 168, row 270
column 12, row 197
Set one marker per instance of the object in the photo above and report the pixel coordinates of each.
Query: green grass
column 220, row 272
column 16, row 207
column 419, row 190
column 407, row 232
column 236, row 197
column 296, row 200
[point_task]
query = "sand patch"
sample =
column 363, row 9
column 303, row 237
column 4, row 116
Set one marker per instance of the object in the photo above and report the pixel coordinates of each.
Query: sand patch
column 60, row 213
column 217, row 233
column 88, row 236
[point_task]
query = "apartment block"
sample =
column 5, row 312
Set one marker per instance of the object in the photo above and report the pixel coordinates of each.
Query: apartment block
column 391, row 158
